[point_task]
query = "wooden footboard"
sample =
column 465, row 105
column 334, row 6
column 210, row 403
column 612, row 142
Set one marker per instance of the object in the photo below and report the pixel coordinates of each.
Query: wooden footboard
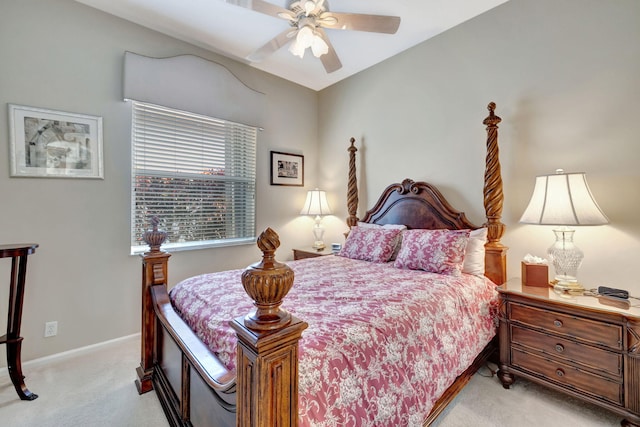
column 196, row 389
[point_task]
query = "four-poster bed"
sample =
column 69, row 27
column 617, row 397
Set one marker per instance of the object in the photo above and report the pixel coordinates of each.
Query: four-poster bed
column 258, row 385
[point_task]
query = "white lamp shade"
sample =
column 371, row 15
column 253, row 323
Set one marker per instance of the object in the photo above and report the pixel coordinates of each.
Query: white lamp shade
column 316, row 203
column 563, row 199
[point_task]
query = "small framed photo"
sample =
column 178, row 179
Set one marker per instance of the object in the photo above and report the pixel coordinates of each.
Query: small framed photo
column 54, row 144
column 287, row 169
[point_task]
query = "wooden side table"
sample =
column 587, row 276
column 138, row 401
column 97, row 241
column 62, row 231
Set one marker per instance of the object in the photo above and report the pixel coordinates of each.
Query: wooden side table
column 578, row 345
column 18, row 254
column 310, row 253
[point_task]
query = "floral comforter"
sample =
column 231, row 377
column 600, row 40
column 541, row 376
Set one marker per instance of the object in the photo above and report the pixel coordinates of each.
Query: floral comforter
column 382, row 345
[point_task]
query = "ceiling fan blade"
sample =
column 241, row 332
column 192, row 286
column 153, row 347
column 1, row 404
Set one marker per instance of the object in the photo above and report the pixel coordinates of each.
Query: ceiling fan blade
column 272, row 45
column 330, row 60
column 360, row 22
column 264, row 7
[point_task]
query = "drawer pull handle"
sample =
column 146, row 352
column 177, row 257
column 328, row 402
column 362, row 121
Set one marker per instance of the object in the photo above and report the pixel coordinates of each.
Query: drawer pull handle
column 559, row 348
column 557, row 323
column 560, row 372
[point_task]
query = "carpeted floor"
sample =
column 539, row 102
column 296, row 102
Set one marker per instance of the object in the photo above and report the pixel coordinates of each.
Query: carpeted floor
column 95, row 387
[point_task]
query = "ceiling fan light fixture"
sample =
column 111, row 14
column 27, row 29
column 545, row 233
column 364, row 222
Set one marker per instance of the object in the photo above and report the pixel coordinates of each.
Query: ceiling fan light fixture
column 308, row 37
column 308, row 20
column 297, row 49
column 319, row 47
column 309, row 6
column 305, row 36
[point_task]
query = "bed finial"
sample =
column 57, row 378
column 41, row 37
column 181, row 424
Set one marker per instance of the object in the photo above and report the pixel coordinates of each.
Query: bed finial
column 153, row 237
column 352, row 186
column 267, row 283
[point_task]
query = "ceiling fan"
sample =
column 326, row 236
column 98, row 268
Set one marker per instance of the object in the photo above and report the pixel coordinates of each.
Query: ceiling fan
column 308, row 18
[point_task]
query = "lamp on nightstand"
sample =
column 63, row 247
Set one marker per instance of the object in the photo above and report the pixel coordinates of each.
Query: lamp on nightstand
column 563, row 200
column 316, row 204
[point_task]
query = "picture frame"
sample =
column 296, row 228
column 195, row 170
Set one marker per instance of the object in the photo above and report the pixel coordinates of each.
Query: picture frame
column 54, row 144
column 287, row 169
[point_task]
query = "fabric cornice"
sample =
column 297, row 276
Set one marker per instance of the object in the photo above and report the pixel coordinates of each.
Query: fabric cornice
column 193, row 84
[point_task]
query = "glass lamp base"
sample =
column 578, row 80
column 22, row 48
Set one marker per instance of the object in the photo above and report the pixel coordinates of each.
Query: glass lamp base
column 318, row 233
column 565, row 256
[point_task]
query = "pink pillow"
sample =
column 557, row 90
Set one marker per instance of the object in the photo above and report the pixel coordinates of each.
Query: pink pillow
column 396, row 246
column 369, row 244
column 436, row 251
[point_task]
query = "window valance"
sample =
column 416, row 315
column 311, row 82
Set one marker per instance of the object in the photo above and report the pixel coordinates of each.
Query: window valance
column 194, row 84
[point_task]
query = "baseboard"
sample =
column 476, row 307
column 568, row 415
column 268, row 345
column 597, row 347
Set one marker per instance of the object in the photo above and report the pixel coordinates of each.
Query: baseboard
column 69, row 353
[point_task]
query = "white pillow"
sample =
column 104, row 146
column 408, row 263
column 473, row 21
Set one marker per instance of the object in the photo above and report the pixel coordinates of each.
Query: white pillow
column 474, row 253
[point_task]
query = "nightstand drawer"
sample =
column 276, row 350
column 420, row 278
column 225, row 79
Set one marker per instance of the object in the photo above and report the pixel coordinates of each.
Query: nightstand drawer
column 590, row 331
column 590, row 357
column 569, row 376
column 308, row 253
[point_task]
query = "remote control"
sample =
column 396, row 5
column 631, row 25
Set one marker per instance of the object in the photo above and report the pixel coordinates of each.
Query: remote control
column 613, row 292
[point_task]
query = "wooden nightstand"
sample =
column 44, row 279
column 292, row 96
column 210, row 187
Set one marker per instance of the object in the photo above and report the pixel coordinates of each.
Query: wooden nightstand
column 573, row 344
column 310, row 253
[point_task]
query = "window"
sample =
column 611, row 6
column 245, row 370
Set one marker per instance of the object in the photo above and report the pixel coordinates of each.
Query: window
column 197, row 174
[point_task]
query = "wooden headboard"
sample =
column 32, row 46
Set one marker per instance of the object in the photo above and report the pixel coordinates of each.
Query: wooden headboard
column 416, row 205
column 422, row 205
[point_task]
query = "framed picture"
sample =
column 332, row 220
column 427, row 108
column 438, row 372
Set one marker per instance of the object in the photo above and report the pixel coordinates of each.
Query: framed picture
column 287, row 169
column 54, row 144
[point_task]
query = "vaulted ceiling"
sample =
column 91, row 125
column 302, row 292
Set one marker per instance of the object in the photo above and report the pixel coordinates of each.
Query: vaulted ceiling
column 232, row 29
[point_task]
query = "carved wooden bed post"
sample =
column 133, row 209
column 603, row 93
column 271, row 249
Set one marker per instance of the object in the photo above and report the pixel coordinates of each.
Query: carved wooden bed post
column 352, row 187
column 154, row 272
column 493, row 200
column 267, row 359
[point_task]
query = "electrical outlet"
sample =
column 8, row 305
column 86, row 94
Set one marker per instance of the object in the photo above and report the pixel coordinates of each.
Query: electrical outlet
column 50, row 329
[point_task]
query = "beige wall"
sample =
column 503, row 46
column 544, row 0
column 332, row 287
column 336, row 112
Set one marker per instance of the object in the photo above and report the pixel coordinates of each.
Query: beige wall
column 564, row 75
column 62, row 55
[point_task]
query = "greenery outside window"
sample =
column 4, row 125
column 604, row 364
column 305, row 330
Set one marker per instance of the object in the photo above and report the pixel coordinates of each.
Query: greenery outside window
column 197, row 174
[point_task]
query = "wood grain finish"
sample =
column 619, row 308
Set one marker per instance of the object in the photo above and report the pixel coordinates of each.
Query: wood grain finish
column 590, row 358
column 576, row 328
column 18, row 253
column 267, row 360
column 352, row 186
column 495, row 251
column 568, row 375
column 576, row 347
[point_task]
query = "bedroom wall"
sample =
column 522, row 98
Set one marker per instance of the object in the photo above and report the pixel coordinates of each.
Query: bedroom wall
column 564, row 76
column 61, row 55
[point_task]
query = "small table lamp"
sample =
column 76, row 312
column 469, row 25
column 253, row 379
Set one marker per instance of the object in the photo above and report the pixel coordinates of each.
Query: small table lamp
column 316, row 204
column 563, row 199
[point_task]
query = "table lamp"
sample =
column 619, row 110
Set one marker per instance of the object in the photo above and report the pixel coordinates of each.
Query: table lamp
column 563, row 200
column 316, row 204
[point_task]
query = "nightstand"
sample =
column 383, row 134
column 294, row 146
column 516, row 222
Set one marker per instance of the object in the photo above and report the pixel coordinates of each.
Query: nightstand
column 310, row 253
column 574, row 344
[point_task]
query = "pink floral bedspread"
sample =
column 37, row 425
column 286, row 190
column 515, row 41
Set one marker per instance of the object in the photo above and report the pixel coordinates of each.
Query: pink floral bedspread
column 382, row 345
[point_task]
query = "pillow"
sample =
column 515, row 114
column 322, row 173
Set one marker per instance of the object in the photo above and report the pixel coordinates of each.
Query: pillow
column 387, row 226
column 474, row 253
column 436, row 251
column 398, row 242
column 369, row 244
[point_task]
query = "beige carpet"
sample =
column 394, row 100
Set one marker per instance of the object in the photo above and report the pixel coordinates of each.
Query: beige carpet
column 92, row 387
column 95, row 387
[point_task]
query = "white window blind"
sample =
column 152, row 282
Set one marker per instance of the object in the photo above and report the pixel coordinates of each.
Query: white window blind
column 197, row 174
